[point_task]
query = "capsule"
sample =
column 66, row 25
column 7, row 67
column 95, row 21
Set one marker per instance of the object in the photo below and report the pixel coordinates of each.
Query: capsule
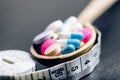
column 53, row 50
column 55, row 36
column 64, row 42
column 46, row 44
column 87, row 34
column 82, row 44
column 67, row 49
column 55, row 26
column 42, row 37
column 76, row 27
column 65, row 28
column 71, row 20
column 71, row 35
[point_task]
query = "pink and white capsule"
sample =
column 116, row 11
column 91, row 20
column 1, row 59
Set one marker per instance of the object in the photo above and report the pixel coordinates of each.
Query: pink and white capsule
column 46, row 44
column 87, row 34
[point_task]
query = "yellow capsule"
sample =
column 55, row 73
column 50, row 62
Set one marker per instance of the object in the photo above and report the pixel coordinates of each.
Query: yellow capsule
column 82, row 44
column 55, row 36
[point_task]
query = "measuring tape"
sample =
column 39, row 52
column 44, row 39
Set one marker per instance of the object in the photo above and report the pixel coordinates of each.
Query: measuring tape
column 71, row 70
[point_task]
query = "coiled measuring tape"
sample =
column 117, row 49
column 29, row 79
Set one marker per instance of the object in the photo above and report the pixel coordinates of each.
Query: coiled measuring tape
column 70, row 70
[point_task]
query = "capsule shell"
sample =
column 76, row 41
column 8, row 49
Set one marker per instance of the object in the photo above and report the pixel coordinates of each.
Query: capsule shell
column 46, row 44
column 53, row 50
column 42, row 37
column 64, row 42
column 87, row 34
column 71, row 35
column 82, row 44
column 76, row 27
column 71, row 20
column 55, row 26
column 67, row 49
column 65, row 27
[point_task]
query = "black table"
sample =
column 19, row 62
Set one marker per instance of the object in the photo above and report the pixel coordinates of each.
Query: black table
column 21, row 20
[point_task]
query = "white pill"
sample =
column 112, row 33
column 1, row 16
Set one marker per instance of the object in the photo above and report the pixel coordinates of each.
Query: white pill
column 55, row 26
column 64, row 42
column 71, row 20
column 43, row 36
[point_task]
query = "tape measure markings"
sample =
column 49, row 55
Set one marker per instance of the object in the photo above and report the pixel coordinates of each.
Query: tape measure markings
column 58, row 72
column 86, row 60
column 72, row 70
column 73, row 67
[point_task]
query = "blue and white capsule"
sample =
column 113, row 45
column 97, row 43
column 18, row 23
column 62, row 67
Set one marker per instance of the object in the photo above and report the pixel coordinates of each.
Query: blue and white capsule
column 64, row 42
column 68, row 49
column 71, row 35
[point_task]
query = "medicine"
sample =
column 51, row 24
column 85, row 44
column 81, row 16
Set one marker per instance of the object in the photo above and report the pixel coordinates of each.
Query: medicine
column 82, row 44
column 53, row 50
column 65, row 28
column 77, row 27
column 87, row 34
column 42, row 37
column 67, row 49
column 55, row 26
column 46, row 44
column 71, row 35
column 55, row 36
column 71, row 20
column 64, row 42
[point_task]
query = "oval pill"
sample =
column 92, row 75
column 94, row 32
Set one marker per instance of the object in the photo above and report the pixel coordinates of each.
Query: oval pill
column 53, row 50
column 87, row 34
column 65, row 27
column 42, row 37
column 64, row 42
column 76, row 27
column 71, row 35
column 55, row 26
column 71, row 20
column 46, row 44
column 67, row 49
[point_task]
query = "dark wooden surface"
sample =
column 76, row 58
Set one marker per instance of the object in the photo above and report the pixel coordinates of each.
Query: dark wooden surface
column 21, row 20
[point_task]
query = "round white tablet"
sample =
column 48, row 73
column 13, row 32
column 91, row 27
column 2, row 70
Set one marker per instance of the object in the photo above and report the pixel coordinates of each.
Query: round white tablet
column 14, row 62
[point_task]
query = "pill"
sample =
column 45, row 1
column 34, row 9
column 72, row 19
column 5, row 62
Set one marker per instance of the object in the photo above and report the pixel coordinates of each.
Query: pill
column 53, row 50
column 46, row 44
column 65, row 27
column 67, row 49
column 76, row 27
column 71, row 35
column 87, row 34
column 71, row 20
column 82, row 44
column 42, row 37
column 55, row 26
column 64, row 42
column 55, row 36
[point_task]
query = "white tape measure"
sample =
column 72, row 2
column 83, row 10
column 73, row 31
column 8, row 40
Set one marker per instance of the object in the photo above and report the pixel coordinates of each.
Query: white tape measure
column 70, row 70
column 15, row 62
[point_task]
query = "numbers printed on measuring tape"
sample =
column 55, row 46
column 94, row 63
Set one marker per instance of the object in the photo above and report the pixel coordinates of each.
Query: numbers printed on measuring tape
column 86, row 60
column 73, row 67
column 58, row 72
column 70, row 70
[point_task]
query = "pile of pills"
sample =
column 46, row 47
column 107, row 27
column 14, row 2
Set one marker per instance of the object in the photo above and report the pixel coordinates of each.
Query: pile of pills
column 61, row 38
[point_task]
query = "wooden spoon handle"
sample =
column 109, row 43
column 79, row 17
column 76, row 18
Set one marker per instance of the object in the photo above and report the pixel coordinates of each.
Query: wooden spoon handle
column 94, row 9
